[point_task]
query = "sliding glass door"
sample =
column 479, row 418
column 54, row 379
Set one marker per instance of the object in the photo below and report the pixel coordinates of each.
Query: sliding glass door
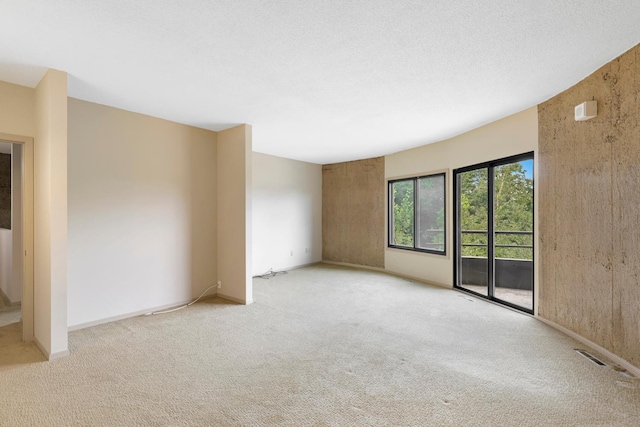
column 494, row 230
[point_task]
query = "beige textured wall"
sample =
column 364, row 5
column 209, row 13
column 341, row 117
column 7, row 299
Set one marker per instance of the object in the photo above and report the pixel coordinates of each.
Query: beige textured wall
column 589, row 209
column 353, row 212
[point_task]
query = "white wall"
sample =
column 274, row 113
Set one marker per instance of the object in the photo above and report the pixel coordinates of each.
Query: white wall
column 512, row 135
column 142, row 213
column 234, row 214
column 287, row 213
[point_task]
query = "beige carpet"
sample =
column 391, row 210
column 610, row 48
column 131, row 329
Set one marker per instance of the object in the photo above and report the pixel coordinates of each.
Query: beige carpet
column 321, row 346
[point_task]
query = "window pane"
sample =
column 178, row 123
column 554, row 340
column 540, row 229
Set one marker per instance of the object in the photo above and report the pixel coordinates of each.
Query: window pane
column 402, row 227
column 473, row 228
column 430, row 211
column 473, row 207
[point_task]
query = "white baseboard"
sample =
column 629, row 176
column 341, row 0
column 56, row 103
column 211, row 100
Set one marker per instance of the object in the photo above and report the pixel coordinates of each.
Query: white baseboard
column 419, row 280
column 59, row 355
column 295, row 267
column 603, row 351
column 42, row 348
column 392, row 273
column 50, row 356
column 234, row 299
column 361, row 267
column 134, row 314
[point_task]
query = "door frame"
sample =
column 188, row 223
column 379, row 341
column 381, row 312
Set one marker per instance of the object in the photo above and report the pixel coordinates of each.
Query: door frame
column 457, row 238
column 27, row 231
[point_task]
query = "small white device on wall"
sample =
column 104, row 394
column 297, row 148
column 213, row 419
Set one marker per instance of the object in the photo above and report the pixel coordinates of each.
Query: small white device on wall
column 585, row 111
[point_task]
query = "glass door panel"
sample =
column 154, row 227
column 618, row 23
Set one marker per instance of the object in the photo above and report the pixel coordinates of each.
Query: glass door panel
column 473, row 244
column 494, row 235
column 513, row 232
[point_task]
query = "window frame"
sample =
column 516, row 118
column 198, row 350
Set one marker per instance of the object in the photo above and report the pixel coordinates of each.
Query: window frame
column 416, row 195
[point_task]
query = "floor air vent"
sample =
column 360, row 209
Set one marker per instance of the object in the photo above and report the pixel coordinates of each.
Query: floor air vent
column 591, row 357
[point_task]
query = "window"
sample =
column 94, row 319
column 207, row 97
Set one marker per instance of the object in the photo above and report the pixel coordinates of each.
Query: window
column 417, row 214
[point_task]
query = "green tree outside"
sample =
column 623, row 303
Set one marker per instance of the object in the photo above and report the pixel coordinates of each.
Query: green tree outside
column 430, row 211
column 513, row 211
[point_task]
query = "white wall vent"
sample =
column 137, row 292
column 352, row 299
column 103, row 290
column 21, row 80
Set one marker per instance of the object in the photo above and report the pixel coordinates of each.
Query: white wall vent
column 586, row 110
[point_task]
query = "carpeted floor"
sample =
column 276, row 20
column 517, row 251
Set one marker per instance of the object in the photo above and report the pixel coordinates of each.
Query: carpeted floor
column 321, row 346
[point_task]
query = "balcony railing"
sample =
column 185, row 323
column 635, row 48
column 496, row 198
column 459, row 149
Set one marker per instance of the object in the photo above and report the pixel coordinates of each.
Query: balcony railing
column 510, row 271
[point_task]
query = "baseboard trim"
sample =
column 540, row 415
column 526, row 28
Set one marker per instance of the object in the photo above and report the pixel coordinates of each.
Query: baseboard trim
column 295, row 267
column 134, row 314
column 389, row 272
column 7, row 301
column 43, row 349
column 48, row 355
column 59, row 355
column 234, row 299
column 419, row 280
column 361, row 267
column 603, row 351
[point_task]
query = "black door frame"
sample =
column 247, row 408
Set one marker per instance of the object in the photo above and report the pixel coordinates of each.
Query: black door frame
column 457, row 248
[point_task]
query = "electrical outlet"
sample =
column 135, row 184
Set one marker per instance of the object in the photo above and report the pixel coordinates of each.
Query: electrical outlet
column 306, row 250
column 219, row 284
column 291, row 253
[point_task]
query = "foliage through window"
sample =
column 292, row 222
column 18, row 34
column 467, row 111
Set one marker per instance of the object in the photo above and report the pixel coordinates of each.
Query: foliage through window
column 513, row 211
column 417, row 213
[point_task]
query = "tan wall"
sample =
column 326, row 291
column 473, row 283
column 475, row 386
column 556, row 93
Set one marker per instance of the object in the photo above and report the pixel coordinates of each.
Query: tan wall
column 17, row 110
column 234, row 174
column 50, row 215
column 353, row 212
column 142, row 213
column 510, row 136
column 589, row 209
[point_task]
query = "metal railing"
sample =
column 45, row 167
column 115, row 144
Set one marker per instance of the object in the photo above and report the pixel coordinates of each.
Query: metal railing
column 513, row 266
column 502, row 246
column 524, row 233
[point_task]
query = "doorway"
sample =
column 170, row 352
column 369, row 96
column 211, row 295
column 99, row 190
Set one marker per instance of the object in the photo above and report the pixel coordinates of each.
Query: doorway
column 494, row 231
column 16, row 233
column 10, row 233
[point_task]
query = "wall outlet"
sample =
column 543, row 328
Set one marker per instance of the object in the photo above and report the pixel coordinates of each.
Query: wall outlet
column 306, row 250
column 219, row 284
column 291, row 253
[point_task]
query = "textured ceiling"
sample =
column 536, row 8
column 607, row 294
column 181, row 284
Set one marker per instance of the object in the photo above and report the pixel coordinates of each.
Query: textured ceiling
column 321, row 81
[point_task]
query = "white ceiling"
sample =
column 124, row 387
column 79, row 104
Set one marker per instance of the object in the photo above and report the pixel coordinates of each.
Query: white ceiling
column 320, row 81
